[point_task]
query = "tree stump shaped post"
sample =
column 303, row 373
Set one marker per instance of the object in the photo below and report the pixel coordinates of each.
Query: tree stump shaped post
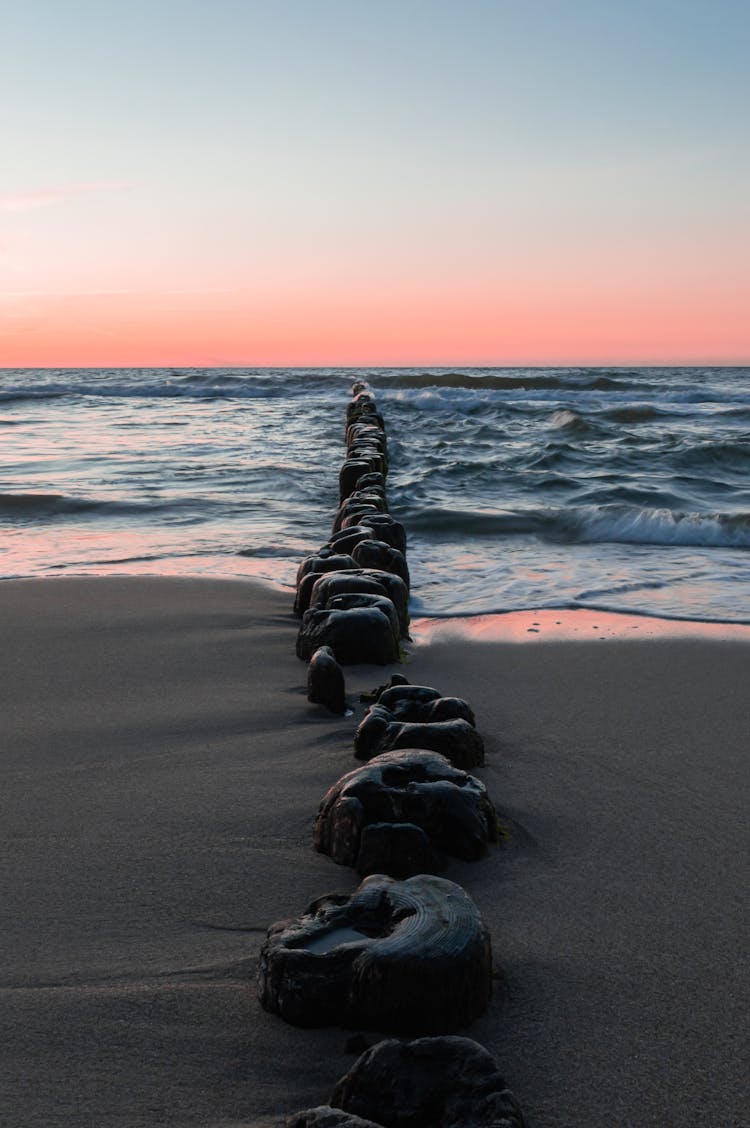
column 428, row 807
column 404, row 957
column 444, row 1082
column 455, row 738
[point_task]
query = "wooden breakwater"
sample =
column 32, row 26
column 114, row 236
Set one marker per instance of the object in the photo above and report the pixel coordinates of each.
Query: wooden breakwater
column 407, row 953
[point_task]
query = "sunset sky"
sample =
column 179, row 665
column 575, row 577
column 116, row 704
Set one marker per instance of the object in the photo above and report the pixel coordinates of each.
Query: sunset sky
column 341, row 182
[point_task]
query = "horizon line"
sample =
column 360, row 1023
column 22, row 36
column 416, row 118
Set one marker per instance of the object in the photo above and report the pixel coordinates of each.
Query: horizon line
column 450, row 366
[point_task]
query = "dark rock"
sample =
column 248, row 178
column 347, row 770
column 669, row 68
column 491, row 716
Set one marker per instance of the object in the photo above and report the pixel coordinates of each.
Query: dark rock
column 412, row 787
column 351, row 511
column 327, row 560
column 373, row 481
column 445, row 709
column 444, row 1082
column 365, row 492
column 360, row 599
column 365, row 395
column 362, row 407
column 406, row 957
column 365, row 580
column 363, row 429
column 390, row 696
column 326, row 1117
column 362, row 398
column 343, row 582
column 325, row 681
column 369, row 438
column 378, row 554
column 374, row 733
column 345, row 539
column 369, row 452
column 335, row 538
column 368, row 497
column 368, row 448
column 386, row 529
column 352, row 470
column 456, row 739
column 359, row 386
column 313, row 567
column 397, row 592
column 359, row 635
column 364, row 413
column 421, row 704
column 304, row 593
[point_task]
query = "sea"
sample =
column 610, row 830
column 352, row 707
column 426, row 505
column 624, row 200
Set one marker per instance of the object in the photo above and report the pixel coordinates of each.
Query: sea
column 621, row 489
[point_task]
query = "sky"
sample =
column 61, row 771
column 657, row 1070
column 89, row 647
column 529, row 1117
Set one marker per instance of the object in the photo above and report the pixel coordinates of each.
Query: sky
column 374, row 182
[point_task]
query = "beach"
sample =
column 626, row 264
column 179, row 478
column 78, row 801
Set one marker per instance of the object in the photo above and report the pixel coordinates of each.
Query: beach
column 161, row 771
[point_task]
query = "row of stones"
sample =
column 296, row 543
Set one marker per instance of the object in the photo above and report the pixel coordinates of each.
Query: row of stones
column 353, row 594
column 407, row 952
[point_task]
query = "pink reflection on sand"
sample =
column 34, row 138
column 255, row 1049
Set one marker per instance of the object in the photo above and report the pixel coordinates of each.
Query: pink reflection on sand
column 568, row 625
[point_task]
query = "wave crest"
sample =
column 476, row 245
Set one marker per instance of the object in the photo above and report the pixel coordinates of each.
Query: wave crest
column 590, row 524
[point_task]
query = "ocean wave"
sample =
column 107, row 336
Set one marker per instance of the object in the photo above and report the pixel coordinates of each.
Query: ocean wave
column 19, row 395
column 742, row 413
column 633, row 413
column 469, row 522
column 409, row 386
column 155, row 384
column 621, row 589
column 268, row 552
column 588, row 524
column 512, row 380
column 727, row 452
column 633, row 525
column 51, row 505
column 218, row 390
column 567, row 420
column 43, row 504
column 552, row 455
column 604, row 494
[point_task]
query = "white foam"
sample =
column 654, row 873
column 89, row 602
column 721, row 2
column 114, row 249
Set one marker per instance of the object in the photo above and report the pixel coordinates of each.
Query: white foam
column 631, row 525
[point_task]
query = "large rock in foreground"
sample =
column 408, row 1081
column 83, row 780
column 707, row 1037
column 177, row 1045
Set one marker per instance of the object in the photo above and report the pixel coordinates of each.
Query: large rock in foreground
column 428, row 1083
column 402, row 813
column 404, row 957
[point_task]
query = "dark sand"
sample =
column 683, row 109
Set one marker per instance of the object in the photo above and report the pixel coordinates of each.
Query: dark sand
column 160, row 772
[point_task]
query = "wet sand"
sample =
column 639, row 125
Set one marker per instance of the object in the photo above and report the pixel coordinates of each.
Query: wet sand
column 160, row 772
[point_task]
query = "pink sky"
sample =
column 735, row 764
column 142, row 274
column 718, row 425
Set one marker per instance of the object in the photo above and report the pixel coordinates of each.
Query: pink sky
column 94, row 279
column 374, row 184
column 534, row 320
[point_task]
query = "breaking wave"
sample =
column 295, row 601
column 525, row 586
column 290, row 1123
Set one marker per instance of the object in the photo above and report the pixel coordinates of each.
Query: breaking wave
column 587, row 524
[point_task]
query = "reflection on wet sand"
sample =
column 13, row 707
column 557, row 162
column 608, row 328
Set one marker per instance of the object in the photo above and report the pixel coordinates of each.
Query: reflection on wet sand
column 567, row 625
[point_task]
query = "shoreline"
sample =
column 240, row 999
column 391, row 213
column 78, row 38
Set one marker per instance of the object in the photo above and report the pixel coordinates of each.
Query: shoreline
column 481, row 626
column 567, row 624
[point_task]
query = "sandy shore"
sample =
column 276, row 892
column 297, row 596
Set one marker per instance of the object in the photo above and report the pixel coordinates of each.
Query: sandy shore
column 160, row 772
